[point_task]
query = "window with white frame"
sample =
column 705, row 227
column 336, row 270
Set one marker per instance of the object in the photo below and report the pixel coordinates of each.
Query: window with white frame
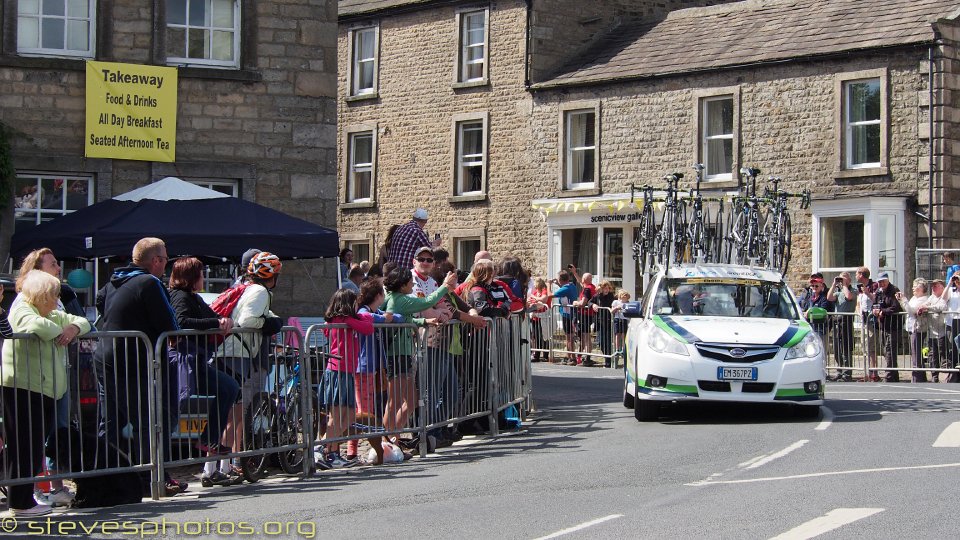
column 56, row 27
column 580, row 147
column 364, row 61
column 203, row 32
column 717, row 137
column 472, row 65
column 471, row 150
column 227, row 187
column 42, row 197
column 466, row 248
column 361, row 250
column 862, row 123
column 860, row 232
column 360, row 173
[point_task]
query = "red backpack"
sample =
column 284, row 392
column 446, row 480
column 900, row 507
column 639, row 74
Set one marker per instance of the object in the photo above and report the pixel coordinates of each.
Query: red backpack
column 224, row 304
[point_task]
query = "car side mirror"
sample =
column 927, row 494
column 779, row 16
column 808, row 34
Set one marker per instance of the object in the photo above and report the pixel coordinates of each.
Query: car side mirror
column 632, row 310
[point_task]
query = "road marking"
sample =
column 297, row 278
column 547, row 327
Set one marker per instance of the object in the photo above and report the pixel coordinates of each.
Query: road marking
column 581, row 526
column 827, row 419
column 834, row 519
column 950, row 438
column 815, row 475
column 753, row 464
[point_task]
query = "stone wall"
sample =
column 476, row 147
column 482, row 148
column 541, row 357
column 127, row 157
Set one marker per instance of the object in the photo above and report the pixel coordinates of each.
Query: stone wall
column 271, row 125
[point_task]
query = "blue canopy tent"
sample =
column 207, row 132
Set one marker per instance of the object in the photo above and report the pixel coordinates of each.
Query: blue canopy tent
column 191, row 220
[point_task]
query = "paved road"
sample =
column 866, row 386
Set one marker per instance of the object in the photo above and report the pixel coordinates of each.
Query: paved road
column 883, row 462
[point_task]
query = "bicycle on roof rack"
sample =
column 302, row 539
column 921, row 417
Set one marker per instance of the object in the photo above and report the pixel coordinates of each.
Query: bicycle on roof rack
column 644, row 235
column 671, row 239
column 744, row 238
column 704, row 236
column 778, row 229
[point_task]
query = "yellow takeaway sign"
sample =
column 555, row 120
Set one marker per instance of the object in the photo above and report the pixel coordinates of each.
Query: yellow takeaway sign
column 131, row 112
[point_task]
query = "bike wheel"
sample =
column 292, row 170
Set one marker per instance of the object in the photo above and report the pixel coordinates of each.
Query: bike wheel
column 737, row 240
column 785, row 240
column 259, row 433
column 290, row 431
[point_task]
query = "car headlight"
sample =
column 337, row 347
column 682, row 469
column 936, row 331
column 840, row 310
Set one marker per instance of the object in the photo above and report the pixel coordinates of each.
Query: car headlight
column 662, row 342
column 809, row 347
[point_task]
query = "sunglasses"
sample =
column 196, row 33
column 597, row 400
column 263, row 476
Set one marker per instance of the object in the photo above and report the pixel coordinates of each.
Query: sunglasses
column 424, row 259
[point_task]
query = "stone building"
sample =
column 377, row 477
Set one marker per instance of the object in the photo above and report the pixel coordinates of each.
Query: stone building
column 256, row 111
column 521, row 125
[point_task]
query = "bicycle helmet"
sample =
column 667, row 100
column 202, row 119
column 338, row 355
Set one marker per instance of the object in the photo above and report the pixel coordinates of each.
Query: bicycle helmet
column 264, row 265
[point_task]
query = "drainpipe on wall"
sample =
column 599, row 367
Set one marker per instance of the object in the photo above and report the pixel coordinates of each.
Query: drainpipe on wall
column 526, row 53
column 930, row 158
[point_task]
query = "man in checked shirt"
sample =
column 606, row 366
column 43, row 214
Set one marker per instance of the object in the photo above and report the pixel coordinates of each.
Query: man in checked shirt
column 410, row 237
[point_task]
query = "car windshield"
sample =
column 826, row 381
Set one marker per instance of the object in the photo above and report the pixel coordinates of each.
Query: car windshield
column 724, row 298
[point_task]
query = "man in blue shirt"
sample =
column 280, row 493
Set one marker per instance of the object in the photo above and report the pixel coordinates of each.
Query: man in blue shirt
column 566, row 295
column 948, row 263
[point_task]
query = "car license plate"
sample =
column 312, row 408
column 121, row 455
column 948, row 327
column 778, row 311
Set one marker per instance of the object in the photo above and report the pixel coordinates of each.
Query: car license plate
column 192, row 425
column 736, row 373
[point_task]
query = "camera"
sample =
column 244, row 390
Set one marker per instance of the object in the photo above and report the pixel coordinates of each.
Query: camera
column 569, row 266
column 838, row 279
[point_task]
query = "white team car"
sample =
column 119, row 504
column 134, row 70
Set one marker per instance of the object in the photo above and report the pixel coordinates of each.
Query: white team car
column 712, row 332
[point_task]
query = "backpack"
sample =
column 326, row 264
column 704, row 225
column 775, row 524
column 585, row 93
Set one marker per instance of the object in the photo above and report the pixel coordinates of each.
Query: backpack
column 224, row 304
column 502, row 294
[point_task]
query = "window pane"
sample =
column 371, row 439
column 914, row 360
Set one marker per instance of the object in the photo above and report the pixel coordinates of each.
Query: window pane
column 864, row 100
column 719, row 156
column 52, row 33
column 581, row 166
column 176, row 42
column 54, row 7
column 197, row 45
column 887, row 242
column 198, row 13
column 28, row 33
column 474, row 71
column 28, row 7
column 365, row 76
column 582, row 129
column 52, row 193
column 466, row 249
column 865, row 144
column 222, row 45
column 841, row 242
column 78, row 8
column 176, row 11
column 78, row 35
column 222, row 13
column 365, row 44
column 472, row 139
column 613, row 256
column 361, row 185
column 78, row 194
column 719, row 117
column 362, row 149
column 579, row 247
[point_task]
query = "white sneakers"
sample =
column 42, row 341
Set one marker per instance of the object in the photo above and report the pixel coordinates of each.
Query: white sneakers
column 57, row 497
column 36, row 511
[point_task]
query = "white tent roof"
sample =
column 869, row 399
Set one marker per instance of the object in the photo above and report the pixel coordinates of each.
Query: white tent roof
column 170, row 189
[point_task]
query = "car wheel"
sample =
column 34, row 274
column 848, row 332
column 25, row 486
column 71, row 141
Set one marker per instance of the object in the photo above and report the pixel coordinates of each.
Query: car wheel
column 645, row 410
column 806, row 412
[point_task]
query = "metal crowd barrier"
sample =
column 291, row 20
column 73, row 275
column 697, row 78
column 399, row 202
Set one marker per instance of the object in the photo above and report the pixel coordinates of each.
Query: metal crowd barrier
column 176, row 403
column 574, row 335
column 100, row 424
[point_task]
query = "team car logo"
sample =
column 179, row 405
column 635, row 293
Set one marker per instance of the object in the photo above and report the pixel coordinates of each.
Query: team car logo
column 738, row 352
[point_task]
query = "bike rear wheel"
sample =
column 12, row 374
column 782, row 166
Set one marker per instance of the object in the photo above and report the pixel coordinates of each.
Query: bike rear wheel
column 290, row 431
column 259, row 421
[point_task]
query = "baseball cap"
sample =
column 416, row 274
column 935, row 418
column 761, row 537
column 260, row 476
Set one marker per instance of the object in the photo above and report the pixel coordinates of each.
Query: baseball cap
column 883, row 275
column 421, row 249
column 421, row 214
column 816, row 280
column 247, row 256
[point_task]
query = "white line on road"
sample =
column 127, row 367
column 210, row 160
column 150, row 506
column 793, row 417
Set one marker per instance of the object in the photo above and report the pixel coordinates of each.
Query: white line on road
column 834, row 519
column 814, row 475
column 581, row 526
column 950, row 438
column 827, row 419
column 776, row 455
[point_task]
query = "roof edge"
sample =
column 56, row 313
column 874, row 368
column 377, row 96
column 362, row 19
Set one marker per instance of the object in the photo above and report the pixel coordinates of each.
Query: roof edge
column 730, row 67
column 410, row 5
